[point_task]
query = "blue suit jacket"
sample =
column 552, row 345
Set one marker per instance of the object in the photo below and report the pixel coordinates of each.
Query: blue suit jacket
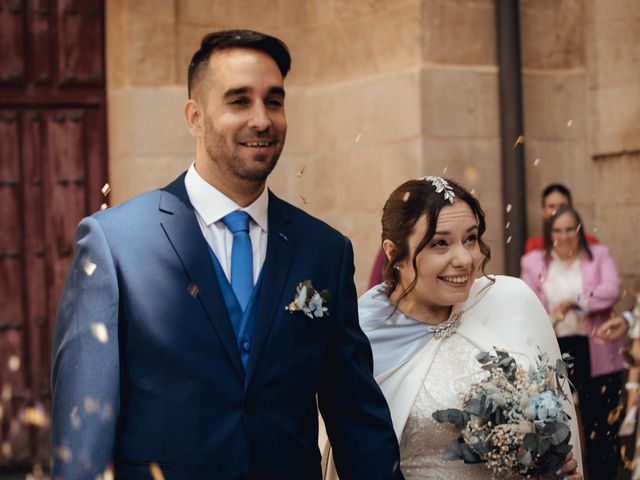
column 146, row 368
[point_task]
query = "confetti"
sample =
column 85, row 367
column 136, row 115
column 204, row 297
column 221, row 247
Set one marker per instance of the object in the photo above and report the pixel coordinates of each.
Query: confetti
column 91, row 405
column 578, row 228
column 519, row 141
column 508, row 207
column 304, row 200
column 64, row 454
column 99, row 330
column 569, row 123
column 75, row 418
column 603, row 389
column 508, row 240
column 193, row 290
column 470, row 175
column 35, row 416
column 614, row 415
column 108, row 474
column 7, row 392
column 406, row 196
column 592, row 436
column 536, row 162
column 104, row 206
column 106, row 189
column 89, row 267
column 1, row 412
column 156, row 473
column 444, row 170
column 300, row 172
column 506, row 227
column 14, row 363
column 6, row 449
column 358, row 138
column 473, row 192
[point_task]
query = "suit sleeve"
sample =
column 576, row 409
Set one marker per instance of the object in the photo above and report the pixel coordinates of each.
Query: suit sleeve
column 85, row 363
column 354, row 410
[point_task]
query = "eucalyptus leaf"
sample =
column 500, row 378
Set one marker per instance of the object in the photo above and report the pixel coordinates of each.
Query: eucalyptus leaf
column 525, row 458
column 468, row 455
column 484, row 357
column 454, row 451
column 561, row 434
column 530, row 442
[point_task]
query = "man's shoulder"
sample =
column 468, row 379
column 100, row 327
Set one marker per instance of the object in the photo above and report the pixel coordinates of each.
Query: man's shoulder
column 138, row 206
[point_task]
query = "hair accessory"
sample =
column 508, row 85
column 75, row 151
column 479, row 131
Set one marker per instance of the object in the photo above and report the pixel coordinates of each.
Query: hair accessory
column 442, row 186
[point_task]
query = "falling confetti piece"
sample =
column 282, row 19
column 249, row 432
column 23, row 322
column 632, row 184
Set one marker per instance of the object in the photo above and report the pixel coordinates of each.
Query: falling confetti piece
column 300, row 172
column 508, row 207
column 519, row 141
column 508, row 240
column 75, row 418
column 104, row 206
column 473, row 192
column 578, row 228
column 7, row 392
column 569, row 123
column 603, row 389
column 358, row 138
column 64, row 454
column 614, row 415
column 106, row 189
column 14, row 363
column 304, row 200
column 536, row 162
column 193, row 290
column 507, row 226
column 444, row 170
column 91, row 405
column 594, row 229
column 89, row 267
column 99, row 330
column 406, row 196
column 1, row 412
column 471, row 175
column 156, row 472
column 35, row 416
column 108, row 474
column 6, row 449
column 592, row 436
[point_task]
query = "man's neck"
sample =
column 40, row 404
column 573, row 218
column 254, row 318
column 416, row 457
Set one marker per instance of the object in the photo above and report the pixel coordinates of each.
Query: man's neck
column 242, row 192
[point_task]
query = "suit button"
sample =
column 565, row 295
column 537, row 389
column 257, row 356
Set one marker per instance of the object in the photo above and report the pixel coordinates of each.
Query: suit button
column 246, row 346
column 249, row 407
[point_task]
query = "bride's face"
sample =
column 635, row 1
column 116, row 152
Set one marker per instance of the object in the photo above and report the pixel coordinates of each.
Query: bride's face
column 447, row 265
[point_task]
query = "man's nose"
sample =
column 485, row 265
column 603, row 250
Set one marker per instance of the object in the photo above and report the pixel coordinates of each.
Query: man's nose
column 259, row 120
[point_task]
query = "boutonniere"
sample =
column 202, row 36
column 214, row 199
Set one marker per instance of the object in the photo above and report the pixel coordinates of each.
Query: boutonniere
column 309, row 301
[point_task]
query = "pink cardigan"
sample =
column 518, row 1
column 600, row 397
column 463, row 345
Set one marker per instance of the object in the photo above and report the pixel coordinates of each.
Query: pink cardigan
column 600, row 291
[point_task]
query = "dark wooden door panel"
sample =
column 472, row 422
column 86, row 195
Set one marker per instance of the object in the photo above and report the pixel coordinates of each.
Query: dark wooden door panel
column 39, row 24
column 12, row 42
column 80, row 39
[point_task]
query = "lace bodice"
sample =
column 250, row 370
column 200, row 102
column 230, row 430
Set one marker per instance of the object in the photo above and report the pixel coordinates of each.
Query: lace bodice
column 424, row 440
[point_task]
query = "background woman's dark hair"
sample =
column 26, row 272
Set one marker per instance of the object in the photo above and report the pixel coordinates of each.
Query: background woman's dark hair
column 556, row 187
column 548, row 226
column 228, row 39
column 405, row 206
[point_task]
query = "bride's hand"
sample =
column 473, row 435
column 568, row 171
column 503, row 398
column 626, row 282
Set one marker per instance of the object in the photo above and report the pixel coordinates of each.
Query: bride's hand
column 568, row 468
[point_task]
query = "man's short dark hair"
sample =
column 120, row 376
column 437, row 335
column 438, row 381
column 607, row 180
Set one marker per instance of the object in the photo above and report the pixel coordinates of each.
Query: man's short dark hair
column 556, row 187
column 228, row 39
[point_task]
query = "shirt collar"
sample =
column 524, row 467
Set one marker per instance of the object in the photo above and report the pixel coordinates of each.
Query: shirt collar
column 213, row 205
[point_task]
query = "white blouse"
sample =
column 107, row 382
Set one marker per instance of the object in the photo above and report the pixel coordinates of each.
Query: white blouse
column 564, row 282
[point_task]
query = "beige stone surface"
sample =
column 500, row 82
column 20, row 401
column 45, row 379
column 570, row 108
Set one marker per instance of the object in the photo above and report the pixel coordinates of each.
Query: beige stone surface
column 552, row 34
column 458, row 32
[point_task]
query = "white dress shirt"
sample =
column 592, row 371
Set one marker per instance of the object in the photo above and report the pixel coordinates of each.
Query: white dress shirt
column 212, row 206
column 564, row 282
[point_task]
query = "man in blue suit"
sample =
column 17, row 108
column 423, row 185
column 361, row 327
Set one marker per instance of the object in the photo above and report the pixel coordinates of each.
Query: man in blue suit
column 185, row 343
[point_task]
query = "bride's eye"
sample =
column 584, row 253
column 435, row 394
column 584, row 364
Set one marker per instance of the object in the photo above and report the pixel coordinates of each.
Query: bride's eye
column 439, row 244
column 472, row 238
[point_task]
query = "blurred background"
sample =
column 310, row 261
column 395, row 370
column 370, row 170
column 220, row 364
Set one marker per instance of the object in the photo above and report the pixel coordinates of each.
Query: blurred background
column 504, row 96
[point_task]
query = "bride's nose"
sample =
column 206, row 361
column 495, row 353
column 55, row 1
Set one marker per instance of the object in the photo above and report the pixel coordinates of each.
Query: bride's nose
column 461, row 257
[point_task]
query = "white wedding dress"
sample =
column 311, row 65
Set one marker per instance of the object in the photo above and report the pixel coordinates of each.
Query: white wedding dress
column 420, row 374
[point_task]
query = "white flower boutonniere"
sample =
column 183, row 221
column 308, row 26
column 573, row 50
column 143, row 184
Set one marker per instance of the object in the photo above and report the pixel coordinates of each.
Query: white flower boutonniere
column 309, row 301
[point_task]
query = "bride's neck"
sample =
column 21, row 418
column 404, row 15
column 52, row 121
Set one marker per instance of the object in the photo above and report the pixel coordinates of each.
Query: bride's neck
column 419, row 311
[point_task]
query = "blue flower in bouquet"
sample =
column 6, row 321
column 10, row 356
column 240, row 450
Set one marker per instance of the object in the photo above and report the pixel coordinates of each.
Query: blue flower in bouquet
column 545, row 408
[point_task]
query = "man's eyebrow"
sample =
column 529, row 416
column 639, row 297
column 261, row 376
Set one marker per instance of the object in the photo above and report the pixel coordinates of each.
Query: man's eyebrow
column 233, row 92
column 447, row 232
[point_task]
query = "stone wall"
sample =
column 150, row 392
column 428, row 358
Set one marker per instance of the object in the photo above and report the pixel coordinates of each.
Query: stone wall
column 384, row 91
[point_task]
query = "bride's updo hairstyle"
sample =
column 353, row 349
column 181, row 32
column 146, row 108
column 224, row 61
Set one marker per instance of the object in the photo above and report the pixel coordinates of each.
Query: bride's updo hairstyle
column 402, row 210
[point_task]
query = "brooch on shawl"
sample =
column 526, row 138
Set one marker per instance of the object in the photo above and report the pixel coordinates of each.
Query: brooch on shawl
column 309, row 301
column 448, row 327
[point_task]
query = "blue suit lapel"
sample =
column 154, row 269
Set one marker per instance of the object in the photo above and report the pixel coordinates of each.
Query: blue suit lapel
column 181, row 227
column 275, row 271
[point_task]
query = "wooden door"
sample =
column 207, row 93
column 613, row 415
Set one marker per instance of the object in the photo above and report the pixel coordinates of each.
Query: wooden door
column 53, row 164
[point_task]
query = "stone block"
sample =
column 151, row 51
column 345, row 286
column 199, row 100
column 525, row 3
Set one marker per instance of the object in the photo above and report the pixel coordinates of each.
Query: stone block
column 458, row 32
column 552, row 34
column 460, row 102
column 615, row 125
column 148, row 121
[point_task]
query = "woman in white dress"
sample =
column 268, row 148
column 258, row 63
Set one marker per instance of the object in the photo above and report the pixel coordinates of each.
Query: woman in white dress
column 431, row 317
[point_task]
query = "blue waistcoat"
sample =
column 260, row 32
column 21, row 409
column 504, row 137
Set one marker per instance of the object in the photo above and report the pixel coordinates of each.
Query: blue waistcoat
column 241, row 322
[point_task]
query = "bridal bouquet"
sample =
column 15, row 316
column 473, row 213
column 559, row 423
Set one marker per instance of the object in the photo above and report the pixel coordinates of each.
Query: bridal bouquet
column 513, row 419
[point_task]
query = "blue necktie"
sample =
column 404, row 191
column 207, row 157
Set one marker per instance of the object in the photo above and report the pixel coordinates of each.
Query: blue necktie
column 241, row 256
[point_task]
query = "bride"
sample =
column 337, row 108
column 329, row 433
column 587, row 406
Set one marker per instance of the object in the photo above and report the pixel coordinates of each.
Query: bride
column 431, row 317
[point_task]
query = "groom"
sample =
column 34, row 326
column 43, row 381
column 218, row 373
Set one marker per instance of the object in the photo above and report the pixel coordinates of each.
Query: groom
column 173, row 349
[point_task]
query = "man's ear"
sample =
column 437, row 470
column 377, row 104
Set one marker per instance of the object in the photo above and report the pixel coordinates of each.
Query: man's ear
column 194, row 116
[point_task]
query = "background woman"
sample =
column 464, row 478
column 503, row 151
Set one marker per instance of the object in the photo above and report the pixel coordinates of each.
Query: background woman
column 578, row 283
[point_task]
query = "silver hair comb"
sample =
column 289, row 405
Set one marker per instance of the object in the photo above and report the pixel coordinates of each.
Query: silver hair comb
column 442, row 186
